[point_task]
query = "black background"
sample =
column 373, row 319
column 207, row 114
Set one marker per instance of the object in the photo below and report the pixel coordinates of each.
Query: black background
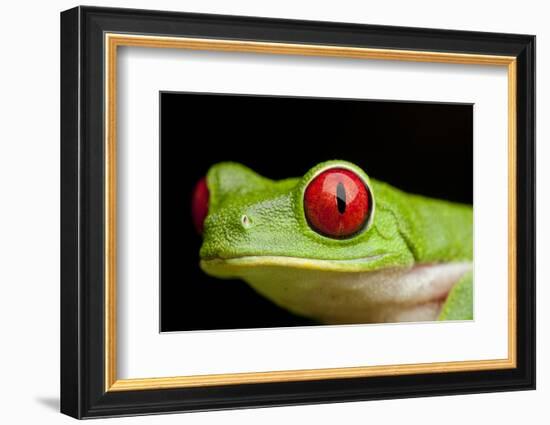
column 424, row 148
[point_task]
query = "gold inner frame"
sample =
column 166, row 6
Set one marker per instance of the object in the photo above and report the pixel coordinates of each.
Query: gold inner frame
column 113, row 41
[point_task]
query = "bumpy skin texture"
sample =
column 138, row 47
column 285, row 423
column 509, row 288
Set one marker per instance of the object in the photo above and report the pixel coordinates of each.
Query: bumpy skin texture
column 256, row 229
column 460, row 302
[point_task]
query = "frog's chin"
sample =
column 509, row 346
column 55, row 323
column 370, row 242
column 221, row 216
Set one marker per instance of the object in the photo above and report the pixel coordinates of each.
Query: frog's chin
column 337, row 292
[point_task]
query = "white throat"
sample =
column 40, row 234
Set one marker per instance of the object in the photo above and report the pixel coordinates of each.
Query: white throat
column 389, row 295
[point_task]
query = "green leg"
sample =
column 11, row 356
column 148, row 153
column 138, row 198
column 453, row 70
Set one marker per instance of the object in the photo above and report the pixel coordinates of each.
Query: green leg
column 460, row 302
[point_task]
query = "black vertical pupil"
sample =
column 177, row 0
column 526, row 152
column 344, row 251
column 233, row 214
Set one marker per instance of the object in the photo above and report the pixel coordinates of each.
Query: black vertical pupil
column 341, row 198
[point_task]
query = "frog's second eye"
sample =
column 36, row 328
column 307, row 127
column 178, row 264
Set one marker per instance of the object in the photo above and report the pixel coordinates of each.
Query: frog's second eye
column 199, row 204
column 337, row 203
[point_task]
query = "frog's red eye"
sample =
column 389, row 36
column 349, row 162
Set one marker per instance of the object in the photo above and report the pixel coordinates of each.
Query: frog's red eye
column 337, row 203
column 199, row 204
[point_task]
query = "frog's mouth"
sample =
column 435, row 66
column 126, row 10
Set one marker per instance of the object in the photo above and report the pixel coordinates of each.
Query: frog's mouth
column 215, row 265
column 346, row 291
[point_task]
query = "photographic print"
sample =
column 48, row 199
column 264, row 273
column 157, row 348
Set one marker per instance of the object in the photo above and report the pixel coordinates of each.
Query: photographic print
column 300, row 211
column 260, row 212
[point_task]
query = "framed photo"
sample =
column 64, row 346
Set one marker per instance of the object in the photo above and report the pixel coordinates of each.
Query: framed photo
column 262, row 212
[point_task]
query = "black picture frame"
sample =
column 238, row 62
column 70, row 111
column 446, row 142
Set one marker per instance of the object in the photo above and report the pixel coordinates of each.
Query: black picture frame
column 83, row 393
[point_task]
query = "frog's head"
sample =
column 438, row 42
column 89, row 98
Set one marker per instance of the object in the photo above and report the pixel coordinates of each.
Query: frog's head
column 333, row 218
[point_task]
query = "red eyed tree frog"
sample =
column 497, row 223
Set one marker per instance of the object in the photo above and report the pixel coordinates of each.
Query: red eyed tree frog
column 337, row 246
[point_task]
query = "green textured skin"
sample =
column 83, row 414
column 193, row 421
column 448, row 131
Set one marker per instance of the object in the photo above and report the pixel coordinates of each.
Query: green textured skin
column 460, row 302
column 405, row 229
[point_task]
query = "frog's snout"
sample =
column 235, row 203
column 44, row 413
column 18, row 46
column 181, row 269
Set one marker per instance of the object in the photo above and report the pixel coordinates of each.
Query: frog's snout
column 199, row 204
column 227, row 232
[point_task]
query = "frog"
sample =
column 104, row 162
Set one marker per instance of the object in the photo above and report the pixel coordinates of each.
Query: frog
column 337, row 246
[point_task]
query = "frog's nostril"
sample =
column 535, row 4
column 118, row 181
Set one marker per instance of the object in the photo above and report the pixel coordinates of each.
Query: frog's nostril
column 199, row 204
column 245, row 220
